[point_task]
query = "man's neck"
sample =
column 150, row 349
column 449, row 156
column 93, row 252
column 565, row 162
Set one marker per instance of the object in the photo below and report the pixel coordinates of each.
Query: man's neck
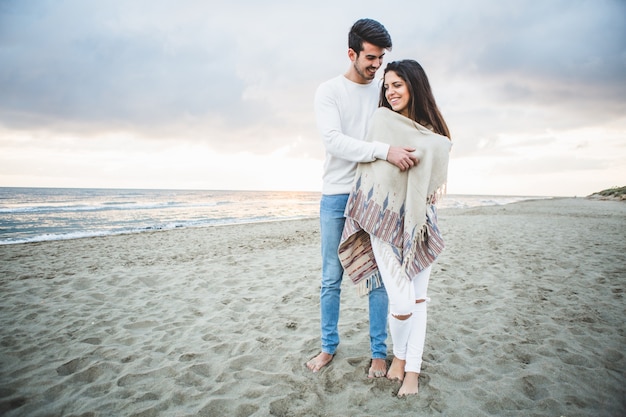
column 355, row 77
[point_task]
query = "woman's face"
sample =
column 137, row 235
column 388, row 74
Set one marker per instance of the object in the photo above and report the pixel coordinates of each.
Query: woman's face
column 397, row 93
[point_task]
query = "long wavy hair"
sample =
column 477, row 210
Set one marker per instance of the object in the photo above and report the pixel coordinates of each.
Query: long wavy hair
column 422, row 106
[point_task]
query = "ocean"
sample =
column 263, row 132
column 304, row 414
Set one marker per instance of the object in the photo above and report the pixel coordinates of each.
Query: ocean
column 42, row 214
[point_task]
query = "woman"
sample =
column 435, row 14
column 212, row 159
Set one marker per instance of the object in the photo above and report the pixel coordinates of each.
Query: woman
column 391, row 231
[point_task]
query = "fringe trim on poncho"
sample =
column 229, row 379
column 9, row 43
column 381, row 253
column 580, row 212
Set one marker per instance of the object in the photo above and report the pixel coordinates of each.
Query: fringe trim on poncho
column 394, row 205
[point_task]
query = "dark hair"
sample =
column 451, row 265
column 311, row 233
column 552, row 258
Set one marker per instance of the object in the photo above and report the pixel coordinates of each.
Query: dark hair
column 422, row 106
column 368, row 30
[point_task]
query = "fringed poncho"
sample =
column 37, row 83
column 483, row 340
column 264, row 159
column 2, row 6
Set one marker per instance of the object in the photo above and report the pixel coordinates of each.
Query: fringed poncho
column 392, row 204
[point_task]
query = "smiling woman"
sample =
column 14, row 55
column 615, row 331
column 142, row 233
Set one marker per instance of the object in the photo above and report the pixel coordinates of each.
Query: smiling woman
column 397, row 93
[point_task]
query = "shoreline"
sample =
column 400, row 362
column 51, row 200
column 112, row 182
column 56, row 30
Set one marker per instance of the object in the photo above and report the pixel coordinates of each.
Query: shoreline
column 94, row 213
column 158, row 230
column 526, row 317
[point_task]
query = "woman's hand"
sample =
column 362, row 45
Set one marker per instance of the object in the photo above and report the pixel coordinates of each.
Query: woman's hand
column 402, row 157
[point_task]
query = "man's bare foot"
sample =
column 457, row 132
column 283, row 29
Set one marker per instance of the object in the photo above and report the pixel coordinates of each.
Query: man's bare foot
column 318, row 362
column 410, row 384
column 396, row 370
column 378, row 368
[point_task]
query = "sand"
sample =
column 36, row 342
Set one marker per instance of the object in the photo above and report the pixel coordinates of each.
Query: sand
column 526, row 319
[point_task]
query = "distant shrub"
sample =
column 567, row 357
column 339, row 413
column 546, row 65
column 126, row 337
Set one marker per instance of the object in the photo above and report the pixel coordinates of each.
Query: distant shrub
column 613, row 192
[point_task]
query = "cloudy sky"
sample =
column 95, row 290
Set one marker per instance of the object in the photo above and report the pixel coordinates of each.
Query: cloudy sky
column 219, row 94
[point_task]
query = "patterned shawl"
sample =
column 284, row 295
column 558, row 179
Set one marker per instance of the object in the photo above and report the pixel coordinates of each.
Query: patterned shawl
column 392, row 204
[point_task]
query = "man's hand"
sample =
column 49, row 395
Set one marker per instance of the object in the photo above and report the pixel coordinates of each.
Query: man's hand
column 402, row 157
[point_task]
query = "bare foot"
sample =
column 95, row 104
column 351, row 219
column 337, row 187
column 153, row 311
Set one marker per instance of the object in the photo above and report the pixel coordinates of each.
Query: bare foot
column 410, row 384
column 321, row 360
column 378, row 368
column 396, row 370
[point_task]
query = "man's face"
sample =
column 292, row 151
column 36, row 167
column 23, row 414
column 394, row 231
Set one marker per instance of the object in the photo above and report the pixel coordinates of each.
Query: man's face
column 367, row 62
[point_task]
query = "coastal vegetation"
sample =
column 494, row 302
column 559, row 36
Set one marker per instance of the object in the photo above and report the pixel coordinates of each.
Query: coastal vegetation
column 614, row 193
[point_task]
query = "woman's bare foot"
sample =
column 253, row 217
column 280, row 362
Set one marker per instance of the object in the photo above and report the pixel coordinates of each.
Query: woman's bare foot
column 410, row 384
column 378, row 368
column 318, row 362
column 396, row 370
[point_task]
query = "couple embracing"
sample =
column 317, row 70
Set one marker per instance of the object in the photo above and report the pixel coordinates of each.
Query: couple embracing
column 387, row 148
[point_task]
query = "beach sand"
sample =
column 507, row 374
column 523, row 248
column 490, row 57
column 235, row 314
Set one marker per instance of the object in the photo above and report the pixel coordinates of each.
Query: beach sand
column 526, row 319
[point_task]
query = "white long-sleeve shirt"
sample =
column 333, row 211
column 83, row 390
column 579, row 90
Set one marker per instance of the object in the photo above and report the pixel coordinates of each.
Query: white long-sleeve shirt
column 342, row 110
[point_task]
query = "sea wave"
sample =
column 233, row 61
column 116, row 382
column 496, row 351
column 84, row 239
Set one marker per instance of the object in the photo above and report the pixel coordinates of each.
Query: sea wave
column 81, row 234
column 37, row 214
column 107, row 207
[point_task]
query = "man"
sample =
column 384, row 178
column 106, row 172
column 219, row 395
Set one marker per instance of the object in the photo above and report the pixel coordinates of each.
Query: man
column 343, row 106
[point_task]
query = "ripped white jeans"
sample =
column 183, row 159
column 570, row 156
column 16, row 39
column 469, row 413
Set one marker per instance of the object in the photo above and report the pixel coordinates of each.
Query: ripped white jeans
column 408, row 336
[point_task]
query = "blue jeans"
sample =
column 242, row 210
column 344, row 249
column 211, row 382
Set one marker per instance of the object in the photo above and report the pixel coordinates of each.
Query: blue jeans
column 331, row 222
